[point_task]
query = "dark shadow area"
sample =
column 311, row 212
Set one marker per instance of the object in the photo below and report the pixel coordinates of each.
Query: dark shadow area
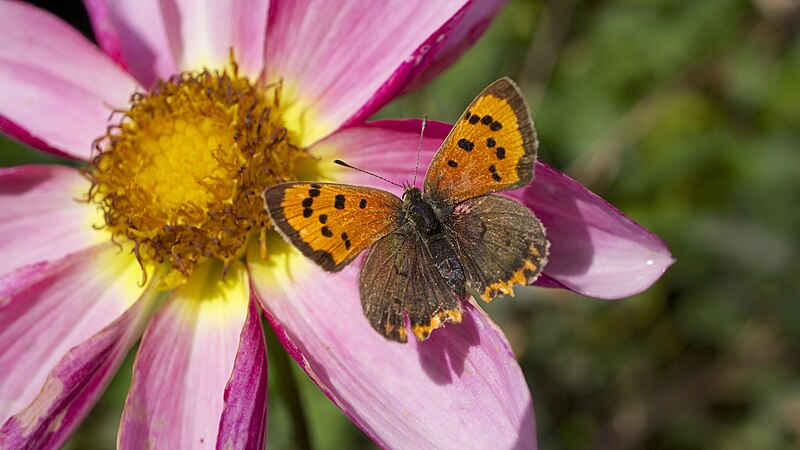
column 443, row 354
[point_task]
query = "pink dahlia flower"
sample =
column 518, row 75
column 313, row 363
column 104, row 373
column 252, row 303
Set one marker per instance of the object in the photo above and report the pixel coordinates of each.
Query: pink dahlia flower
column 161, row 239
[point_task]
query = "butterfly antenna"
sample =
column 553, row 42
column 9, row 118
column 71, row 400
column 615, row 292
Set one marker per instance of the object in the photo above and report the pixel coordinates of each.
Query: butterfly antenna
column 344, row 164
column 419, row 148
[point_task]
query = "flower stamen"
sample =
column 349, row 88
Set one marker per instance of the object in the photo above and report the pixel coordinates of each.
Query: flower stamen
column 180, row 175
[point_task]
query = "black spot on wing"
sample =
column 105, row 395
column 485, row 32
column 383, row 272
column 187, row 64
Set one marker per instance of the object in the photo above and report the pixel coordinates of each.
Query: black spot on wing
column 452, row 163
column 307, row 212
column 307, row 202
column 339, row 202
column 323, row 218
column 326, row 232
column 495, row 175
column 346, row 241
column 363, row 203
column 466, row 144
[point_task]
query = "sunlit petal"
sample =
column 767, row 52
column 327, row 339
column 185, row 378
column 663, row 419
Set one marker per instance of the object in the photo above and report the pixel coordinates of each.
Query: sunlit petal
column 42, row 218
column 132, row 33
column 64, row 328
column 203, row 33
column 185, row 361
column 342, row 61
column 58, row 90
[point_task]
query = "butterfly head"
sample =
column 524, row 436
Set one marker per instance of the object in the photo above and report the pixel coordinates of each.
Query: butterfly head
column 411, row 194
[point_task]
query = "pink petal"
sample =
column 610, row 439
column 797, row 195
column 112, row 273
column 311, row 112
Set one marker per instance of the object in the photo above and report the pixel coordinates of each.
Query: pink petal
column 202, row 33
column 462, row 388
column 595, row 249
column 55, row 86
column 10, row 128
column 187, row 355
column 42, row 218
column 64, row 328
column 132, row 33
column 475, row 22
column 243, row 423
column 342, row 61
column 73, row 387
column 387, row 148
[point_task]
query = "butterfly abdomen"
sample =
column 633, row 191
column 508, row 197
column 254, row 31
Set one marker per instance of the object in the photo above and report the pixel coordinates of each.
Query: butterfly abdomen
column 446, row 262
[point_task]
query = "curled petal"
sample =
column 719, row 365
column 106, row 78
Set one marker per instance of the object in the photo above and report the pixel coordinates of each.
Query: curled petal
column 42, row 218
column 339, row 63
column 65, row 327
column 132, row 33
column 185, row 361
column 461, row 388
column 479, row 15
column 58, row 90
column 595, row 249
column 202, row 34
column 243, row 424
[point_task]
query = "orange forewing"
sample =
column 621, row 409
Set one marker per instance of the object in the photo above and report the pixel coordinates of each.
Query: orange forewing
column 491, row 148
column 332, row 223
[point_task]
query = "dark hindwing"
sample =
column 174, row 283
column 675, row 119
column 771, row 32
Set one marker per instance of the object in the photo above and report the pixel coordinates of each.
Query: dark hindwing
column 499, row 243
column 399, row 276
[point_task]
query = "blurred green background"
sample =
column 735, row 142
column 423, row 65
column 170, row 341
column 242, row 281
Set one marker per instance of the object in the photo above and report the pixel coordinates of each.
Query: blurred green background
column 685, row 115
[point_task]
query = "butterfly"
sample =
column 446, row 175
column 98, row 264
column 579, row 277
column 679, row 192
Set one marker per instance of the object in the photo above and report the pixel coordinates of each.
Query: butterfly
column 427, row 247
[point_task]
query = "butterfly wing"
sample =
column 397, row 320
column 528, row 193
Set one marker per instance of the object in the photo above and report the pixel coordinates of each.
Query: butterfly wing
column 332, row 223
column 498, row 242
column 491, row 148
column 399, row 276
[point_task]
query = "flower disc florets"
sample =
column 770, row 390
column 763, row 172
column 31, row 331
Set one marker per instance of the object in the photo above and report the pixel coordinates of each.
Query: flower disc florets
column 181, row 175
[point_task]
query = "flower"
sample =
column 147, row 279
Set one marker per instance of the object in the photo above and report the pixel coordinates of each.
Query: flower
column 178, row 202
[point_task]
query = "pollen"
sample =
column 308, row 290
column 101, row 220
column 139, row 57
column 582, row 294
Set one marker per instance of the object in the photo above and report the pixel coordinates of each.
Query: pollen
column 180, row 173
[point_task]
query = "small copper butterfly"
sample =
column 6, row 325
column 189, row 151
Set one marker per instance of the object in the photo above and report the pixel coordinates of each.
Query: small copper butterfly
column 429, row 246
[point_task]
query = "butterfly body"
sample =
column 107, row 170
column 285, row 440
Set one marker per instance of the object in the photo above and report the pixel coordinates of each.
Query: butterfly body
column 427, row 248
column 425, row 218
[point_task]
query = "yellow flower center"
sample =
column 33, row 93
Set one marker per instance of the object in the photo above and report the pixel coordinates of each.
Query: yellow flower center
column 181, row 175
